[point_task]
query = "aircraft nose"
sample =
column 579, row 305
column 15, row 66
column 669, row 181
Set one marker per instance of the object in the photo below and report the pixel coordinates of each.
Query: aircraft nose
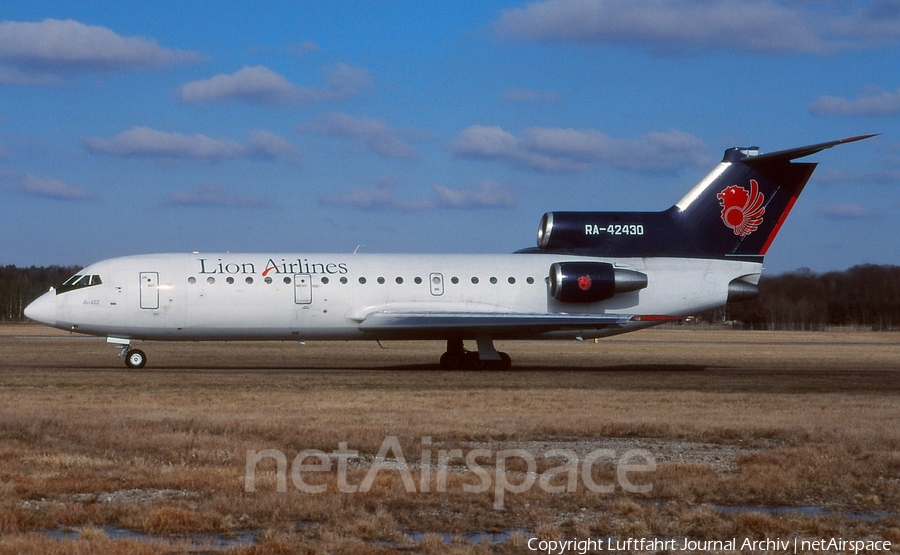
column 43, row 309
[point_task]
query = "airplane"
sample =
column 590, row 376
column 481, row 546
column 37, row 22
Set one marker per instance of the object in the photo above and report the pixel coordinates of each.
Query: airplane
column 591, row 275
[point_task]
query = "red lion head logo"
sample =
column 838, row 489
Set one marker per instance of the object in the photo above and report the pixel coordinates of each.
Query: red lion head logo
column 742, row 211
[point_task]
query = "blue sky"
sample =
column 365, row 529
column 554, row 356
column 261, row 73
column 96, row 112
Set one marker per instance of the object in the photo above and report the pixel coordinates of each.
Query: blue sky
column 133, row 127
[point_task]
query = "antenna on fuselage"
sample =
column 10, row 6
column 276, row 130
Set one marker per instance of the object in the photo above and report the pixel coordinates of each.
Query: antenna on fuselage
column 356, row 250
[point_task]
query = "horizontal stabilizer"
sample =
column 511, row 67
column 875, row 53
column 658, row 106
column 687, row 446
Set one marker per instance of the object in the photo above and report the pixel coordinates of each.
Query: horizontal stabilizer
column 800, row 152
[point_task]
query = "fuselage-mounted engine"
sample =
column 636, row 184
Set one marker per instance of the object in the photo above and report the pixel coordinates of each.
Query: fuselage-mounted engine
column 590, row 282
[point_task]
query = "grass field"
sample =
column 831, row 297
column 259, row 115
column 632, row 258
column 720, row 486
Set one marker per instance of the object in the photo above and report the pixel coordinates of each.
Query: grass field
column 746, row 435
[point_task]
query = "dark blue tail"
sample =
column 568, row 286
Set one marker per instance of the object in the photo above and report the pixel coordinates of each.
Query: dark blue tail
column 735, row 211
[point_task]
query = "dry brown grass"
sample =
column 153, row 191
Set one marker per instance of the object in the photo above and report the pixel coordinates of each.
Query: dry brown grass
column 749, row 418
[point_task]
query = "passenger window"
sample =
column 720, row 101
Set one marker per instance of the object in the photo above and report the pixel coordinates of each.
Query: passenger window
column 268, row 280
column 529, row 280
column 229, row 280
column 192, row 280
column 418, row 280
column 344, row 280
column 399, row 280
column 493, row 280
column 287, row 281
column 249, row 280
column 210, row 280
column 362, row 280
column 474, row 280
column 324, row 280
column 380, row 279
column 511, row 280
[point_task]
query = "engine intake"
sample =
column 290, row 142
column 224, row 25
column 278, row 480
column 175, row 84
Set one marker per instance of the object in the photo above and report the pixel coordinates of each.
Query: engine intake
column 589, row 282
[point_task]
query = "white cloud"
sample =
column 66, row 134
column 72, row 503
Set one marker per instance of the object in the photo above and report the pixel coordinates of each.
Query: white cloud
column 215, row 195
column 489, row 194
column 261, row 84
column 527, row 96
column 49, row 188
column 494, row 143
column 843, row 177
column 53, row 45
column 344, row 79
column 571, row 150
column 373, row 135
column 872, row 102
column 679, row 27
column 302, row 48
column 256, row 84
column 144, row 141
column 265, row 144
column 12, row 76
column 379, row 195
column 847, row 211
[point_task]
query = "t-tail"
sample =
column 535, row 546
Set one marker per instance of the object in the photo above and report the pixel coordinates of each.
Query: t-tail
column 734, row 212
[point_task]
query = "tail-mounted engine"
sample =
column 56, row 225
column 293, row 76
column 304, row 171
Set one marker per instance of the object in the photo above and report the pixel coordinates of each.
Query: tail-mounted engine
column 555, row 231
column 602, row 233
column 589, row 282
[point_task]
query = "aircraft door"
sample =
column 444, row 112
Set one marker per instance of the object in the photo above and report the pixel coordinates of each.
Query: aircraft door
column 437, row 284
column 302, row 288
column 150, row 290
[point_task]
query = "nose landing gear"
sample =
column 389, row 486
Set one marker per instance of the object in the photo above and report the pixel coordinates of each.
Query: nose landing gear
column 134, row 358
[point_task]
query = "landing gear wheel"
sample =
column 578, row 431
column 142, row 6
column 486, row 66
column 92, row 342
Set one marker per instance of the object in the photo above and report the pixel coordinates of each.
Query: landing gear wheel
column 135, row 358
column 458, row 358
column 454, row 357
column 505, row 362
column 451, row 361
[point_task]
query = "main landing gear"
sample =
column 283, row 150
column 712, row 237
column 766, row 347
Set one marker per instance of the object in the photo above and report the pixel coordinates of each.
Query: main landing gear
column 486, row 357
column 134, row 358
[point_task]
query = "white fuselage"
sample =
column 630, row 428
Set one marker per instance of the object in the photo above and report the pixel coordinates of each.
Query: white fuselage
column 327, row 296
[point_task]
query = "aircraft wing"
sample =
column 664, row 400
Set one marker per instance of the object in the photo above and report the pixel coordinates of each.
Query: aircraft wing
column 496, row 322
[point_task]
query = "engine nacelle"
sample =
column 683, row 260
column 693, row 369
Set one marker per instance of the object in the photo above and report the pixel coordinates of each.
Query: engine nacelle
column 598, row 231
column 589, row 282
column 563, row 229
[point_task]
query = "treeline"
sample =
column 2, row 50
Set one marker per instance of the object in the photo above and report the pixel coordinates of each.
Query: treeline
column 20, row 286
column 866, row 297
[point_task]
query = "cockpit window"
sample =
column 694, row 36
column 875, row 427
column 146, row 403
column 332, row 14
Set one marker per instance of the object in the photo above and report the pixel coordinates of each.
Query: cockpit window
column 79, row 281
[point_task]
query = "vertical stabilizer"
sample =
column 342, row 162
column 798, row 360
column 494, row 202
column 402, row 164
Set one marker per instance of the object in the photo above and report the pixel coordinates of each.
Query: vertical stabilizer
column 739, row 207
column 735, row 211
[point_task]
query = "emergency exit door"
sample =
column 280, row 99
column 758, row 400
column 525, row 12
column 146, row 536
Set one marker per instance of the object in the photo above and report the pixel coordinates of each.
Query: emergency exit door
column 150, row 290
